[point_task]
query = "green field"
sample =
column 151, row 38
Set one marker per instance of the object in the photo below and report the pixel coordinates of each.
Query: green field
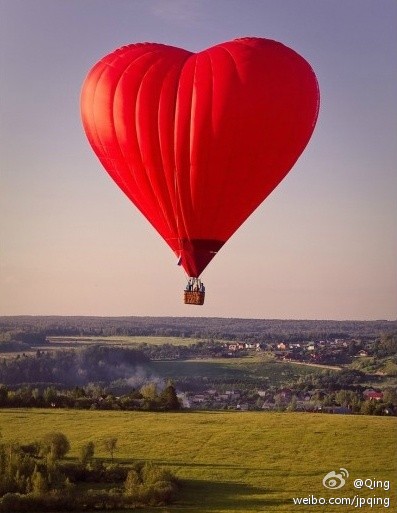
column 275, row 373
column 122, row 340
column 234, row 462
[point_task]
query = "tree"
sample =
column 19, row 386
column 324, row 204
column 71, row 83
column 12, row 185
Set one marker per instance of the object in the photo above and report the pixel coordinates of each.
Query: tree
column 368, row 408
column 55, row 445
column 279, row 402
column 390, row 396
column 110, row 445
column 77, row 393
column 3, row 395
column 39, row 484
column 169, row 398
column 387, row 345
column 342, row 397
column 36, row 394
column 132, row 482
column 87, row 453
column 149, row 391
column 292, row 405
column 50, row 395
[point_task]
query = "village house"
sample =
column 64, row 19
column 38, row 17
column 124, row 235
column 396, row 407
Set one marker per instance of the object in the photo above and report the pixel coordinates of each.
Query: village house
column 361, row 354
column 198, row 398
column 242, row 407
column 233, row 393
column 236, row 346
column 372, row 395
column 285, row 394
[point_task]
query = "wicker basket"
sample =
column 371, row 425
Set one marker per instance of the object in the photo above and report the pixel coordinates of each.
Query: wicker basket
column 193, row 297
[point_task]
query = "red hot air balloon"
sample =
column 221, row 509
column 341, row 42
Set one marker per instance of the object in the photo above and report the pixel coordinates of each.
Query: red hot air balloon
column 197, row 141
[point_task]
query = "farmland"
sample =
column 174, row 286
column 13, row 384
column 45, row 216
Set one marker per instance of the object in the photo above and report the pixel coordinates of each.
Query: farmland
column 229, row 461
column 255, row 368
column 120, row 340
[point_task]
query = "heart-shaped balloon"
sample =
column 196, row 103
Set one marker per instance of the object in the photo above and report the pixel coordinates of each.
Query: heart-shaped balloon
column 198, row 140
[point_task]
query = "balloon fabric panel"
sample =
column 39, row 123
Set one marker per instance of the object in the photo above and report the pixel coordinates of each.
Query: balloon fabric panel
column 198, row 141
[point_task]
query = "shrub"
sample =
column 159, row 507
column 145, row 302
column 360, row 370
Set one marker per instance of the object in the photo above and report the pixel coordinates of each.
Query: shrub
column 151, row 474
column 115, row 473
column 132, row 482
column 55, row 445
column 110, row 445
column 32, row 449
column 74, row 472
column 11, row 502
column 39, row 484
column 87, row 453
column 150, row 485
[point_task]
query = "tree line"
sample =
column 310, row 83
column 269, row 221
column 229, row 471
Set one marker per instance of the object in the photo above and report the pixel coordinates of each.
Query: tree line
column 92, row 397
column 71, row 367
column 197, row 327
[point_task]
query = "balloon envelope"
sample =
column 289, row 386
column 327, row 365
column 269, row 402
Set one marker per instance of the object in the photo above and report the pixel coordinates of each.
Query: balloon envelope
column 198, row 140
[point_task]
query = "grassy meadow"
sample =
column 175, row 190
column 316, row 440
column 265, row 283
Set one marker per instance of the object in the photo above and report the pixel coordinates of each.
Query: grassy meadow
column 259, row 367
column 122, row 340
column 235, row 462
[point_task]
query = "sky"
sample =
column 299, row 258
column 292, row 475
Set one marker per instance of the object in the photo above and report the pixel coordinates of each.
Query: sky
column 322, row 246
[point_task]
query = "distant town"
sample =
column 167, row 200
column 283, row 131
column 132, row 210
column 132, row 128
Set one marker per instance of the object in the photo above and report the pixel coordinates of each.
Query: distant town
column 170, row 364
column 332, row 355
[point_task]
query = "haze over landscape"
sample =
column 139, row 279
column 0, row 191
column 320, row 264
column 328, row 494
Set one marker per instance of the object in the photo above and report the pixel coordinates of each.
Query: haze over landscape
column 323, row 245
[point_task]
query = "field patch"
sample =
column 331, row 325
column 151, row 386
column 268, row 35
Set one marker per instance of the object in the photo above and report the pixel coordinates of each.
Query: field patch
column 120, row 340
column 229, row 461
column 233, row 369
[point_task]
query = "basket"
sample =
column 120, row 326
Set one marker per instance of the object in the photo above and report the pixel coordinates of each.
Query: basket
column 194, row 297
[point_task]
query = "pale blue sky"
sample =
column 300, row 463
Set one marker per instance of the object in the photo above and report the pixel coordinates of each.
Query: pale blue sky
column 324, row 244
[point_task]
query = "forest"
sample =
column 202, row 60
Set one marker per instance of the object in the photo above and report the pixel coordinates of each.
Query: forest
column 69, row 367
column 196, row 327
